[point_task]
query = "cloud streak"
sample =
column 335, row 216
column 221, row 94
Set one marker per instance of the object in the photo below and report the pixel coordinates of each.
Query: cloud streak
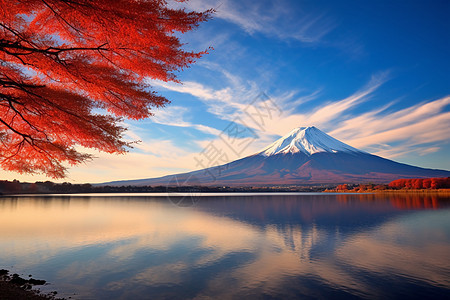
column 416, row 125
column 276, row 19
column 175, row 116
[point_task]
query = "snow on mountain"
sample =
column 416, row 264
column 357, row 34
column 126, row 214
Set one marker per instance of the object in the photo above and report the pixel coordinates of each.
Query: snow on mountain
column 307, row 140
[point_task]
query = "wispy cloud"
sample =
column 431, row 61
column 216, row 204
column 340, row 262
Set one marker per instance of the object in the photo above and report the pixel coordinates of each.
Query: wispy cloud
column 270, row 18
column 419, row 124
column 176, row 116
column 223, row 102
column 333, row 110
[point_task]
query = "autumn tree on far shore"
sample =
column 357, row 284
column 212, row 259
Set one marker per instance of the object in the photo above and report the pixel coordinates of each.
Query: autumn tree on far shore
column 421, row 183
column 71, row 70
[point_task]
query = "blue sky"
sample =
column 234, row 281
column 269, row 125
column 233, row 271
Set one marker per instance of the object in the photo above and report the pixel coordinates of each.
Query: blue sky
column 373, row 74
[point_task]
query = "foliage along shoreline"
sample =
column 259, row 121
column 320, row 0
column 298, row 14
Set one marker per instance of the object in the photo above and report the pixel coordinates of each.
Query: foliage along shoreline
column 445, row 191
column 415, row 185
column 410, row 185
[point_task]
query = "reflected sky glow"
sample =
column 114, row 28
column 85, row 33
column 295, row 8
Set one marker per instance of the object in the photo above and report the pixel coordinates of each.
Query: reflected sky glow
column 281, row 246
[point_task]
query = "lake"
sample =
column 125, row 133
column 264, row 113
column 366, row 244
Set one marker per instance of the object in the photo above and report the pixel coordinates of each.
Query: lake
column 230, row 246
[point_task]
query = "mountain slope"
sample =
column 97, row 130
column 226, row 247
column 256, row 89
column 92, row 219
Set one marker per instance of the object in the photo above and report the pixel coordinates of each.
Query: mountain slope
column 305, row 155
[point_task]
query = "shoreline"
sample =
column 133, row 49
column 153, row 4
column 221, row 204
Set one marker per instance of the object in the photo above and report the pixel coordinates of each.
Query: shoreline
column 437, row 191
column 14, row 287
column 245, row 191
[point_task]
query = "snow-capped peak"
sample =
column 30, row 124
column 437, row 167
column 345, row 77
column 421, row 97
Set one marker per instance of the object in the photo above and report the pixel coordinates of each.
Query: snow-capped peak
column 308, row 140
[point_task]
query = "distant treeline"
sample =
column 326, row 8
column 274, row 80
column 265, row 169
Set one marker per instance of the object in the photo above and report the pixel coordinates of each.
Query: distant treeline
column 48, row 187
column 421, row 183
column 17, row 187
column 400, row 184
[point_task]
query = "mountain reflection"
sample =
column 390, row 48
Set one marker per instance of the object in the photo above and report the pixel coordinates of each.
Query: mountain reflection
column 341, row 209
column 316, row 246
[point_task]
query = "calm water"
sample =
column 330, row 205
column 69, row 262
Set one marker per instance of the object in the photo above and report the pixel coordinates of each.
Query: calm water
column 230, row 246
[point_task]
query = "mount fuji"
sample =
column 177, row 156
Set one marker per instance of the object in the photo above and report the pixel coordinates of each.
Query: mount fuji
column 304, row 156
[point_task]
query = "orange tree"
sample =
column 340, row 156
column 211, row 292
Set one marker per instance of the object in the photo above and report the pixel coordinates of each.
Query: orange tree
column 71, row 70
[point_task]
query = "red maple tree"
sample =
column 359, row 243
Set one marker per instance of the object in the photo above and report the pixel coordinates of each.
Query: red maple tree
column 71, row 70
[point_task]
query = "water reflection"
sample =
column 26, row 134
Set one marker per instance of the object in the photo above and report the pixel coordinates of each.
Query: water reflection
column 325, row 246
